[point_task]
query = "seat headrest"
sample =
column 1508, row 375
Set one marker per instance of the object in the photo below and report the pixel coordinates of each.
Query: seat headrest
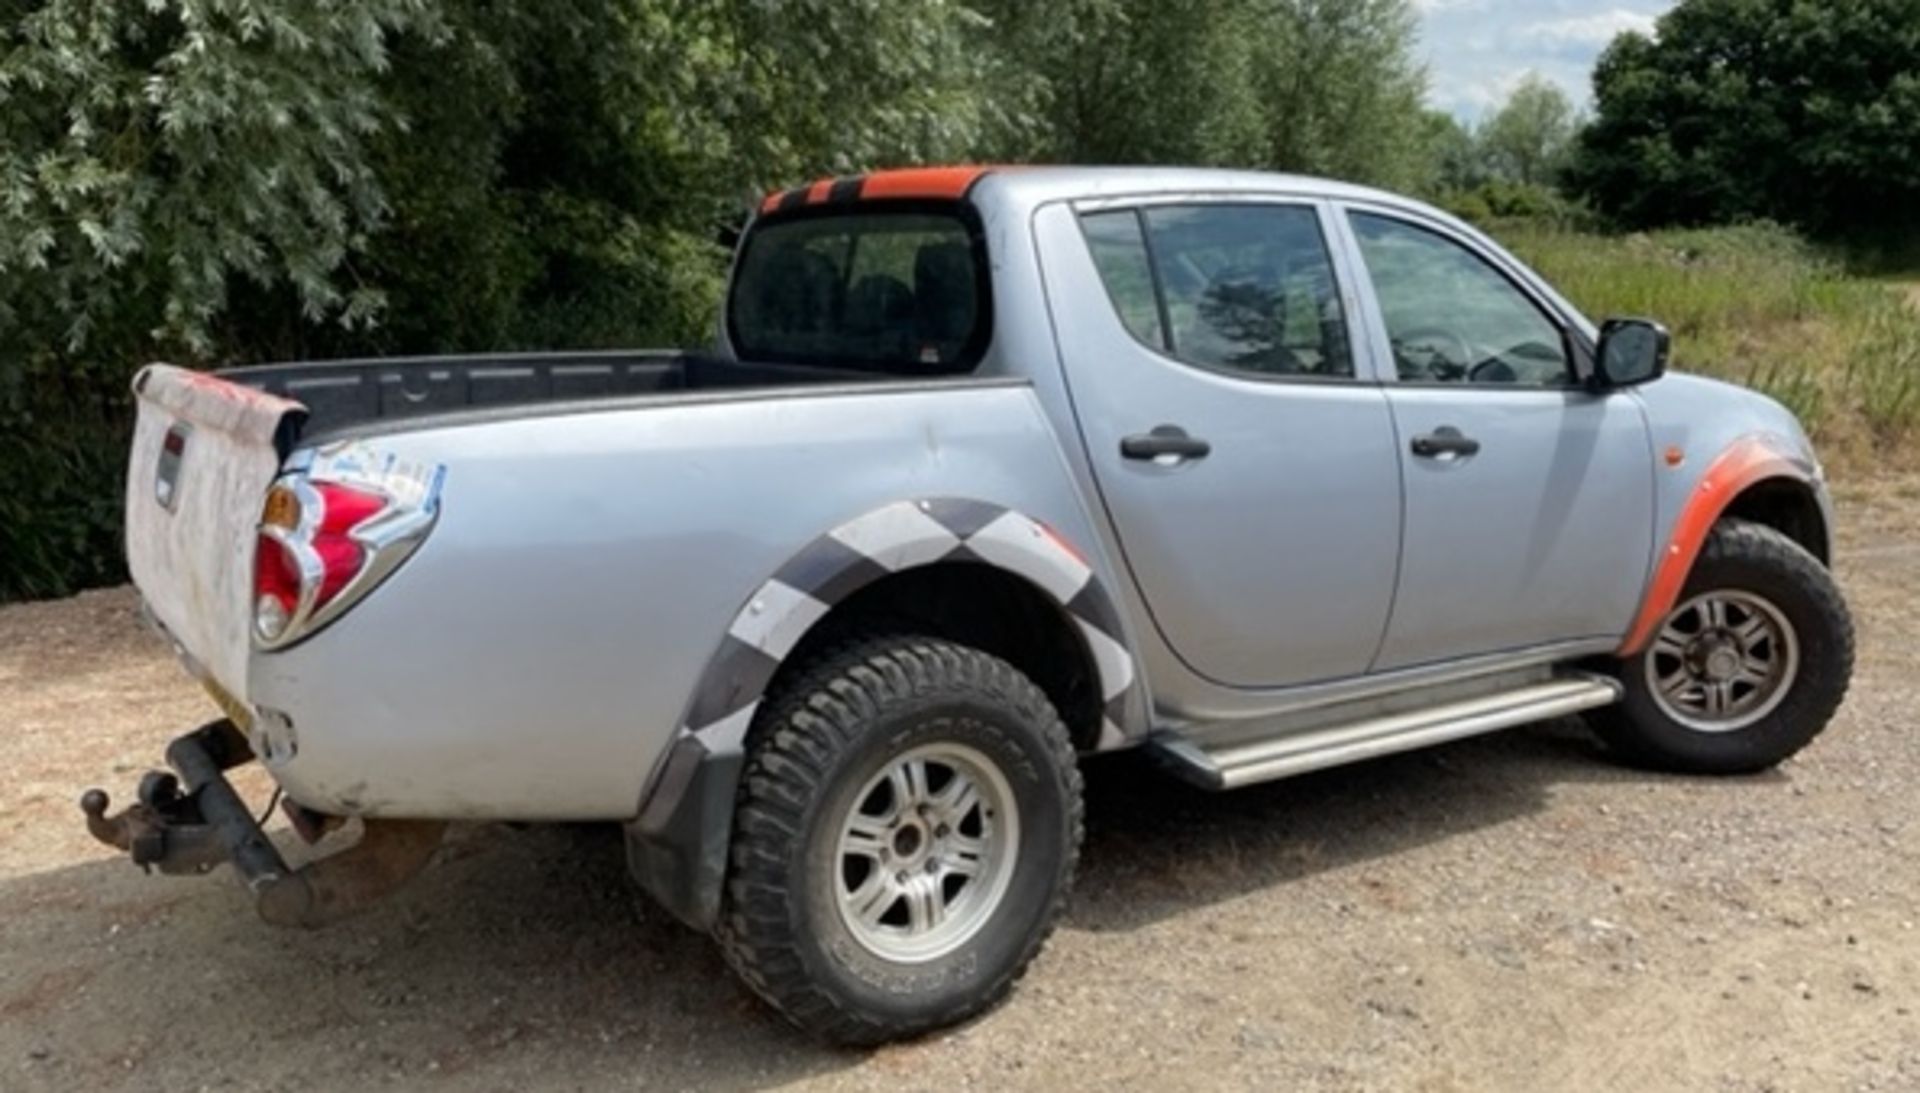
column 880, row 304
column 800, row 292
column 943, row 296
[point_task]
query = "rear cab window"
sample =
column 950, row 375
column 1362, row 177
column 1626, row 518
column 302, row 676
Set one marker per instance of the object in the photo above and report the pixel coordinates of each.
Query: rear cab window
column 892, row 288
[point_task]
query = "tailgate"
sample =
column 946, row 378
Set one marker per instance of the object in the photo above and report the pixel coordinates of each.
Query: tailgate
column 204, row 452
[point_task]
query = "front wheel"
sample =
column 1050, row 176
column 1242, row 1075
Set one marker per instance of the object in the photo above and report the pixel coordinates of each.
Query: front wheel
column 1747, row 668
column 905, row 835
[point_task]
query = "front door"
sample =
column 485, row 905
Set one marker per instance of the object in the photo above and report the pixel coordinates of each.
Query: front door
column 1529, row 500
column 1251, row 476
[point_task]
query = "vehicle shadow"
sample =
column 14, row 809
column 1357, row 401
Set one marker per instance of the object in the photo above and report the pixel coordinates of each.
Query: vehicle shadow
column 524, row 956
column 1156, row 847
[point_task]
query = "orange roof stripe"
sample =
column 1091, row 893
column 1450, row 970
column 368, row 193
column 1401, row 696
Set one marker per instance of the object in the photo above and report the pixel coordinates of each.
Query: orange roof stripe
column 924, row 183
column 936, row 182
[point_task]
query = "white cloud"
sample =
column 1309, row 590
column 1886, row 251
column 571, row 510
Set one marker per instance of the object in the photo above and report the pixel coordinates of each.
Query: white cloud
column 1476, row 51
column 1485, row 94
column 1590, row 30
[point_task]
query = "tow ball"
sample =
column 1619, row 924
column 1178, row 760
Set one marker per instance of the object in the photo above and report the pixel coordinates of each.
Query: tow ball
column 164, row 829
column 189, row 822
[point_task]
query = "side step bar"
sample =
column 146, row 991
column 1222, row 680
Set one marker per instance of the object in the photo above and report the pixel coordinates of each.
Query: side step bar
column 1279, row 756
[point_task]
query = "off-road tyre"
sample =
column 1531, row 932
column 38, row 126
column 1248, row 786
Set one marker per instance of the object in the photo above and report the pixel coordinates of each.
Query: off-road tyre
column 837, row 722
column 1744, row 558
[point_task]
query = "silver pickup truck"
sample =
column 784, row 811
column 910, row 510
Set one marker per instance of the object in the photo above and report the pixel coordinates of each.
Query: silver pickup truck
column 990, row 469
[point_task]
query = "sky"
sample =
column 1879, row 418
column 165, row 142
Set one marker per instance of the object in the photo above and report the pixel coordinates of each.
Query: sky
column 1477, row 50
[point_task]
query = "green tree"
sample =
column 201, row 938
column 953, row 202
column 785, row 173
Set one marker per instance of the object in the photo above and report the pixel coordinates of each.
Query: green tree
column 1317, row 86
column 1451, row 152
column 155, row 158
column 573, row 160
column 217, row 178
column 1339, row 91
column 150, row 152
column 1527, row 140
column 1805, row 111
column 1139, row 81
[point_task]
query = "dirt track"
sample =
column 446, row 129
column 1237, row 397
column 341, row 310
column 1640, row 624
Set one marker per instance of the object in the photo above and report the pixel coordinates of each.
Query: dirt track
column 1511, row 912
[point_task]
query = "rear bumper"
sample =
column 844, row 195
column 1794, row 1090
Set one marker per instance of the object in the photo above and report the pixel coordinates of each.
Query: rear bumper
column 189, row 821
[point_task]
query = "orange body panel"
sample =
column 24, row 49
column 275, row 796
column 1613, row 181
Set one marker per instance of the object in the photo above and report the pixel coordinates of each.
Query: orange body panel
column 1744, row 463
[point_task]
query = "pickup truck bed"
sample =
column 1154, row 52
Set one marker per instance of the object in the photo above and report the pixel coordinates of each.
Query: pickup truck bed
column 350, row 394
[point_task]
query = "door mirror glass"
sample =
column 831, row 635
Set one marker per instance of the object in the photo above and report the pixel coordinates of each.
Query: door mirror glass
column 1632, row 351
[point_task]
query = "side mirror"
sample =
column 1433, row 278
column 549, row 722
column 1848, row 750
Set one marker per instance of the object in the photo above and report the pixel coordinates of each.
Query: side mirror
column 1632, row 352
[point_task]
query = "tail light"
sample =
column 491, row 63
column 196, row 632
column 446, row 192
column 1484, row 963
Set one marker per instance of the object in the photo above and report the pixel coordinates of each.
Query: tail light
column 322, row 545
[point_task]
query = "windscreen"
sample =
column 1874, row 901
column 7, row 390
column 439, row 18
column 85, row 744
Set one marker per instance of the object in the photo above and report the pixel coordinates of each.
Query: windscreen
column 885, row 290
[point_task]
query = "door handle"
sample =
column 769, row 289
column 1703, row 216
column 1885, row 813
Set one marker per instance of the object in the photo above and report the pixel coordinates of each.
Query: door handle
column 1164, row 440
column 1443, row 442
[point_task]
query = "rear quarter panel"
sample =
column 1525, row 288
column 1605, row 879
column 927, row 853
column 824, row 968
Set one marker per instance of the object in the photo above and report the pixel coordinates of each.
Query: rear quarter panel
column 534, row 658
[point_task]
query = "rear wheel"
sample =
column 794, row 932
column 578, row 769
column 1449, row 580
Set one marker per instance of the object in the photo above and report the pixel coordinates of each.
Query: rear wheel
column 904, row 838
column 1747, row 668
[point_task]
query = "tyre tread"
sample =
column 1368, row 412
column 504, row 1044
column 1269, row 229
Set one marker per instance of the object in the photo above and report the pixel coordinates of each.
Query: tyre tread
column 823, row 708
column 1639, row 733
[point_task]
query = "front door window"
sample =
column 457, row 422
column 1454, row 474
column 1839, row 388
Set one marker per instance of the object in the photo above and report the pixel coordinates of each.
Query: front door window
column 1451, row 316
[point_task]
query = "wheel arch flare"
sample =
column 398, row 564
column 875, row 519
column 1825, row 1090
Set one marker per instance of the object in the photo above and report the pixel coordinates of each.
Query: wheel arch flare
column 898, row 537
column 1750, row 462
column 677, row 844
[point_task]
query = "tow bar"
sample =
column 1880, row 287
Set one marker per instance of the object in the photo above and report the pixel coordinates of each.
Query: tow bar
column 192, row 831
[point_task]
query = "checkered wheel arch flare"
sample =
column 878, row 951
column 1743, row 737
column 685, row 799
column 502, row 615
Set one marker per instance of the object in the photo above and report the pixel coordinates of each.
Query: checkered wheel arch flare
column 906, row 535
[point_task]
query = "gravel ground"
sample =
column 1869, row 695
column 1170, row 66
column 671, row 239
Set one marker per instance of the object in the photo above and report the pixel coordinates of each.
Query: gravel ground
column 1505, row 913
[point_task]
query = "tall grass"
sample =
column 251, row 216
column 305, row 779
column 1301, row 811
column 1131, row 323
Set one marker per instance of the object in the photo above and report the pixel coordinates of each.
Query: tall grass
column 1759, row 306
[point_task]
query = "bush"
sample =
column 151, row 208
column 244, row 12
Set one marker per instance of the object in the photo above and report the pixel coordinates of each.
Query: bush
column 63, row 442
column 1758, row 305
column 1497, row 202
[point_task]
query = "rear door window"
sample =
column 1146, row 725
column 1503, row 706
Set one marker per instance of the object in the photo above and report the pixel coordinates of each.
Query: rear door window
column 1119, row 248
column 887, row 290
column 1241, row 288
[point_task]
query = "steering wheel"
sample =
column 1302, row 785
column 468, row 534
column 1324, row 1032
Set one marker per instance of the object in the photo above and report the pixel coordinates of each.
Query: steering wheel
column 1492, row 370
column 1433, row 366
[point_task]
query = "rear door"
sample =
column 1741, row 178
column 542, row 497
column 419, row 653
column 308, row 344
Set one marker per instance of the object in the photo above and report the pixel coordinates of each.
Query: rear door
column 1249, row 470
column 204, row 453
column 1529, row 500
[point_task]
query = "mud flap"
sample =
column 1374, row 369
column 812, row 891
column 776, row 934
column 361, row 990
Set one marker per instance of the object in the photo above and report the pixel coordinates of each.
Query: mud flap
column 677, row 848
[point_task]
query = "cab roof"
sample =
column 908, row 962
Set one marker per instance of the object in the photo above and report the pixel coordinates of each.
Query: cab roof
column 935, row 183
column 1037, row 185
